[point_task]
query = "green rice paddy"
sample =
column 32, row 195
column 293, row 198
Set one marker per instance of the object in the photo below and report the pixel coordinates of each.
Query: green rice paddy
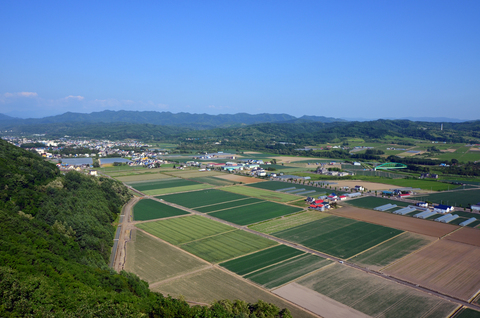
column 258, row 260
column 148, row 209
column 337, row 236
column 249, row 214
column 227, row 245
column 184, row 229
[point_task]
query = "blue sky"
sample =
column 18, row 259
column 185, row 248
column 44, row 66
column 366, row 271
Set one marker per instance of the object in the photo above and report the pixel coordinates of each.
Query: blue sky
column 369, row 59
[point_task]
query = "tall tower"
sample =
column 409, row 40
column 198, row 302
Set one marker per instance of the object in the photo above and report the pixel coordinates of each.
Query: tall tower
column 441, row 126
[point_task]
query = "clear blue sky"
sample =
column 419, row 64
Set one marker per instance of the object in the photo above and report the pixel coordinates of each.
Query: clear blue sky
column 368, row 59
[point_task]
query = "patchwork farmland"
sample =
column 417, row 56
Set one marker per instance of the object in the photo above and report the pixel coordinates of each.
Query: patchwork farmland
column 339, row 237
column 400, row 222
column 167, row 186
column 372, row 295
column 254, row 213
column 460, row 198
column 445, row 266
column 392, row 250
column 370, row 239
column 278, row 185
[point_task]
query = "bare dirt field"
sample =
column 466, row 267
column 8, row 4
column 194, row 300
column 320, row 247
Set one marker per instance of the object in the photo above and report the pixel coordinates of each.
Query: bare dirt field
column 214, row 284
column 404, row 223
column 235, row 178
column 466, row 235
column 367, row 185
column 445, row 266
column 316, row 302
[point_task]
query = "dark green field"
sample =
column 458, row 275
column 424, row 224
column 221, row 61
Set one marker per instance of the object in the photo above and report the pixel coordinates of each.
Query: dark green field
column 227, row 205
column 373, row 202
column 287, row 271
column 148, row 209
column 277, row 185
column 161, row 184
column 201, row 198
column 253, row 262
column 337, row 236
column 460, row 198
column 213, row 181
column 468, row 313
column 255, row 213
column 184, row 229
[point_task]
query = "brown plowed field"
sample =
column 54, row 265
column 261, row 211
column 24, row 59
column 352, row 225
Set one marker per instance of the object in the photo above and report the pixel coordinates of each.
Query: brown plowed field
column 235, row 178
column 466, row 235
column 445, row 266
column 404, row 223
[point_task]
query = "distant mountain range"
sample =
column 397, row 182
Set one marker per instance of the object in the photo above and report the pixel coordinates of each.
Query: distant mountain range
column 197, row 121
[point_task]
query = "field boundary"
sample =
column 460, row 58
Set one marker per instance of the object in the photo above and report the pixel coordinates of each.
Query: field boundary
column 413, row 253
column 165, row 218
column 347, row 259
column 205, row 237
column 180, row 276
column 204, row 206
column 305, row 275
column 233, row 207
column 282, row 261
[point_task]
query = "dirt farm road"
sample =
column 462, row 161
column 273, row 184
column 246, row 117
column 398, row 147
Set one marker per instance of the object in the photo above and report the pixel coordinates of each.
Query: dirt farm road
column 128, row 225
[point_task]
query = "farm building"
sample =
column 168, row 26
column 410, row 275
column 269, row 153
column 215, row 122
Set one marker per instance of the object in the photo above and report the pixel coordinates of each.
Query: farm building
column 319, row 207
column 424, row 214
column 446, row 218
column 386, row 192
column 385, row 207
column 353, row 195
column 342, row 197
column 422, row 204
column 359, row 188
column 403, row 195
column 406, row 210
column 476, row 207
column 441, row 208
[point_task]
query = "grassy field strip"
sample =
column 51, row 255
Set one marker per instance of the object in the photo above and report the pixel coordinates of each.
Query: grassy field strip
column 262, row 193
column 248, row 263
column 185, row 229
column 368, row 249
column 238, row 206
column 201, row 198
column 227, row 246
column 387, row 253
column 252, row 214
column 286, row 222
column 187, row 188
column 287, row 271
column 206, row 237
column 153, row 181
column 275, row 264
column 164, row 218
column 220, row 203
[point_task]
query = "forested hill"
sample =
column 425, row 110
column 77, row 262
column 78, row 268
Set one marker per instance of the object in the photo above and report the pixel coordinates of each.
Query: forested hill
column 55, row 240
column 196, row 121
